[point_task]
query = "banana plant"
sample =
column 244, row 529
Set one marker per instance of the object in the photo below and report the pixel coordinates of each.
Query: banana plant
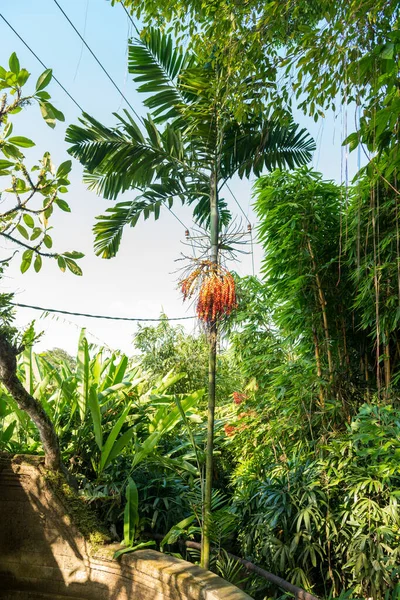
column 161, row 413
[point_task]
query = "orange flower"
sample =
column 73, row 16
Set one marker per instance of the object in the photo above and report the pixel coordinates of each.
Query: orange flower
column 230, row 430
column 216, row 293
column 238, row 397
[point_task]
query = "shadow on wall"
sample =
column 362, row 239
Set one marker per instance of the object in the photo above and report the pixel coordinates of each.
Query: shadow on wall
column 43, row 555
column 39, row 549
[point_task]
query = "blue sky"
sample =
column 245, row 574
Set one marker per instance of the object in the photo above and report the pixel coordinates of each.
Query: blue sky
column 141, row 280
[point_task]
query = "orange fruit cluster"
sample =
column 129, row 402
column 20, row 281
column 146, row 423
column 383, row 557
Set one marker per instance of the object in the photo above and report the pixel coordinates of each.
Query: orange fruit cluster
column 188, row 285
column 216, row 291
column 217, row 297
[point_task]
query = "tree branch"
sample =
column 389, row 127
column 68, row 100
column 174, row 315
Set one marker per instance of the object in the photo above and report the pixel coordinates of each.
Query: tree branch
column 33, row 248
column 27, row 403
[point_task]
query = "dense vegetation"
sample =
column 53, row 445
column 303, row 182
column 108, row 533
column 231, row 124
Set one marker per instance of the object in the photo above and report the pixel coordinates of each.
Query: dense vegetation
column 305, row 468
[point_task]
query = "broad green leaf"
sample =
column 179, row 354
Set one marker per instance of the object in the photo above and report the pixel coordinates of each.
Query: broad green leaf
column 38, row 263
column 28, row 220
column 14, row 63
column 134, row 548
column 7, row 434
column 47, row 114
column 387, row 51
column 95, row 368
column 105, row 454
column 11, row 151
column 4, row 164
column 21, row 229
column 61, row 263
column 52, row 110
column 26, row 260
column 176, row 531
column 120, row 444
column 64, row 169
column 72, row 266
column 62, row 204
column 73, row 254
column 83, row 373
column 21, row 141
column 44, row 79
column 8, row 130
column 23, row 77
column 114, row 388
column 146, row 448
column 131, row 512
column 121, row 370
column 96, row 416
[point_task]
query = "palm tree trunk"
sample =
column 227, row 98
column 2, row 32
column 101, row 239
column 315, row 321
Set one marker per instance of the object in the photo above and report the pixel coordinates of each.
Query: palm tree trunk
column 27, row 403
column 212, row 363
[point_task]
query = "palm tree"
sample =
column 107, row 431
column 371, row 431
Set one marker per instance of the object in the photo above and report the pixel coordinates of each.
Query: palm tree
column 187, row 149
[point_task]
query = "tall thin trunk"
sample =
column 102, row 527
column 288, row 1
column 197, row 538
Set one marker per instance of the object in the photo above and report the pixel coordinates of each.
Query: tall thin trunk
column 322, row 302
column 377, row 292
column 346, row 354
column 27, row 403
column 366, row 375
column 213, row 334
column 387, row 361
column 319, row 370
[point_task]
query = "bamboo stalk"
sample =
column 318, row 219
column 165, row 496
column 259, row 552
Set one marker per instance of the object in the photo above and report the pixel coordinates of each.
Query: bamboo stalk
column 318, row 363
column 322, row 301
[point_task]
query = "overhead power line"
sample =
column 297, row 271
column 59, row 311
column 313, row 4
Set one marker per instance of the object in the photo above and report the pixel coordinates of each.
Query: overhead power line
column 41, row 62
column 130, row 18
column 91, row 316
column 250, row 228
column 97, row 60
column 239, row 205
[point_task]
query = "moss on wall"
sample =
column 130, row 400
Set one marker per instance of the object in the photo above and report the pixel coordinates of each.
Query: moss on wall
column 84, row 519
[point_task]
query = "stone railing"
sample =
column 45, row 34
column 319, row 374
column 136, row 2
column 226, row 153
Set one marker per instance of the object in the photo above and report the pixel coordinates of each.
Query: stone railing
column 43, row 554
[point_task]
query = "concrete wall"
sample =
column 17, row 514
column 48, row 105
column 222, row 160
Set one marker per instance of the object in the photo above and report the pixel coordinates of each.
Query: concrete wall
column 42, row 555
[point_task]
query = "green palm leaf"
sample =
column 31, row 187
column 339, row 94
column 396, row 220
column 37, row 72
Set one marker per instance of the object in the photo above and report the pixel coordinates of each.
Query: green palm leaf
column 173, row 162
column 156, row 65
column 257, row 146
column 109, row 228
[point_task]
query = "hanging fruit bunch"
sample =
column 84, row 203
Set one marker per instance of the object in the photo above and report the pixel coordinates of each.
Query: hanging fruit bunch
column 215, row 290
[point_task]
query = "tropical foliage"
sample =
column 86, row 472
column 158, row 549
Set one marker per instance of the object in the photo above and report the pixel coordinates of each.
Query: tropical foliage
column 191, row 145
column 304, row 452
column 30, row 193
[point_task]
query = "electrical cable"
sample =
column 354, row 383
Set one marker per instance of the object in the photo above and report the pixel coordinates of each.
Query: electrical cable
column 251, row 229
column 237, row 202
column 91, row 316
column 130, row 18
column 84, row 33
column 41, row 62
column 98, row 61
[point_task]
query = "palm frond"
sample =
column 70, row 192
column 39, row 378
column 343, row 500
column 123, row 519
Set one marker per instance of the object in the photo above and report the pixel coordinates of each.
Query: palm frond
column 156, row 65
column 109, row 227
column 120, row 159
column 256, row 146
